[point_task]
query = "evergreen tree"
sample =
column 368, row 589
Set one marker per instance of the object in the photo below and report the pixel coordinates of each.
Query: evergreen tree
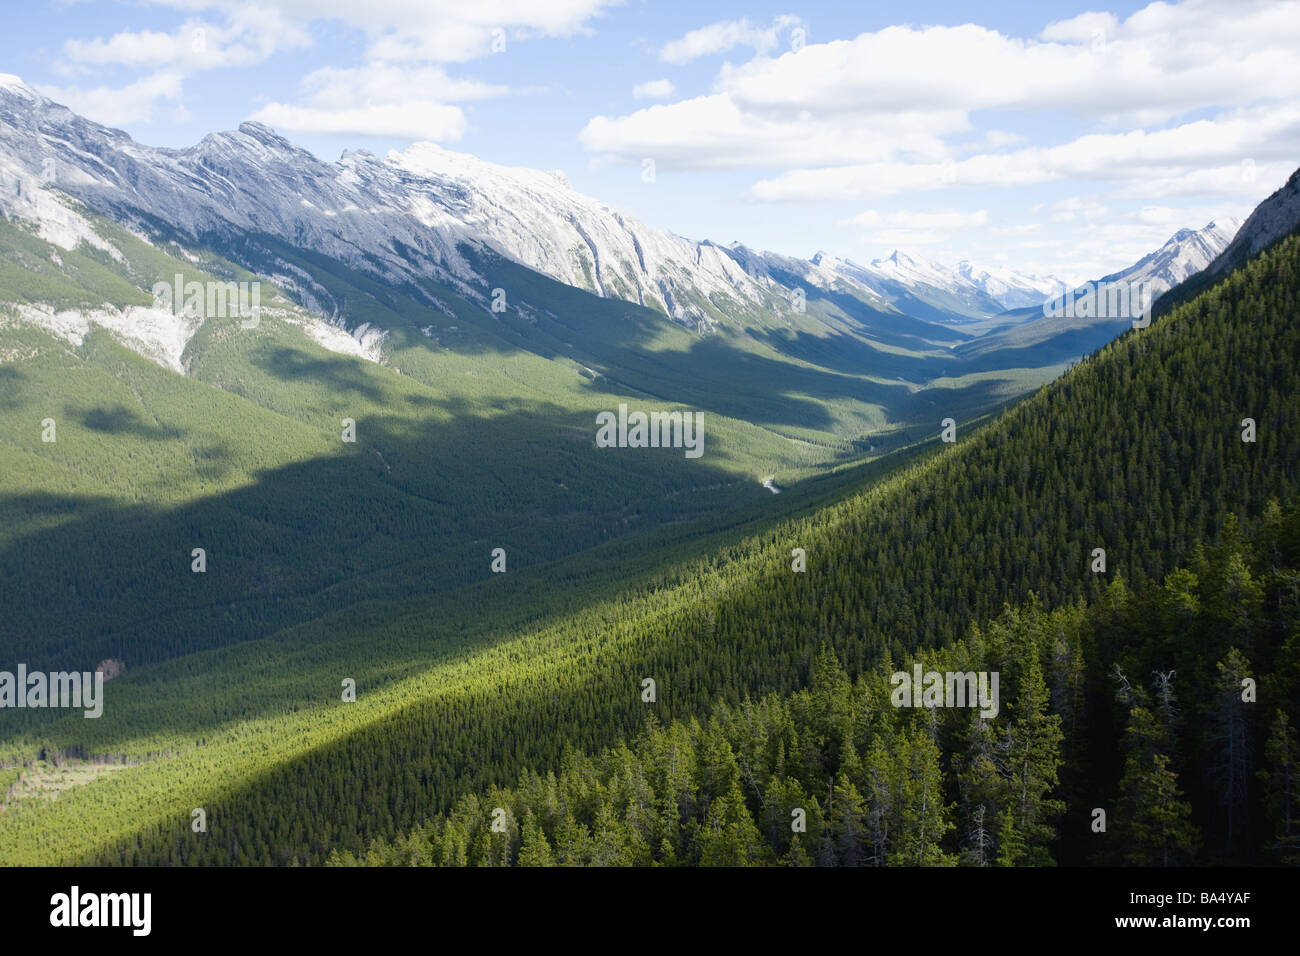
column 1281, row 780
column 1032, row 754
column 1233, row 760
column 1154, row 826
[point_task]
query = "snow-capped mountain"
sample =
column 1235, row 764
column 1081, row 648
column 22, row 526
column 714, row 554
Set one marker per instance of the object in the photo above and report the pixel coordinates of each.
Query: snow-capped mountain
column 1186, row 253
column 1009, row 288
column 426, row 214
column 985, row 292
column 416, row 214
column 909, row 282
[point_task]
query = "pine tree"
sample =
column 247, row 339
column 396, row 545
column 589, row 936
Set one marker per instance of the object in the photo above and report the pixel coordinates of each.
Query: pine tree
column 846, row 822
column 535, row 850
column 1010, row 840
column 1281, row 780
column 1032, row 754
column 729, row 836
column 1233, row 761
column 979, row 783
column 922, row 815
column 1154, row 822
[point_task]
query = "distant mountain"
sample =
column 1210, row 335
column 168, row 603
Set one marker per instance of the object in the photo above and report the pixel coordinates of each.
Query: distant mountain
column 924, row 288
column 909, row 283
column 1041, row 331
column 421, row 213
column 1186, row 253
column 1012, row 289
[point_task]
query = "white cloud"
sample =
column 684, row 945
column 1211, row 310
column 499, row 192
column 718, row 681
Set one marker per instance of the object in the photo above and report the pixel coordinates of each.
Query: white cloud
column 380, row 100
column 903, row 229
column 452, row 31
column 998, row 139
column 1158, row 215
column 1161, row 61
column 1202, row 157
column 415, row 119
column 1085, row 28
column 1020, row 229
column 726, row 35
column 383, row 83
column 133, row 103
column 904, row 238
column 893, row 101
column 416, row 32
column 653, row 90
column 250, row 35
column 1068, row 210
column 147, row 48
column 714, row 132
column 1167, row 220
column 942, row 219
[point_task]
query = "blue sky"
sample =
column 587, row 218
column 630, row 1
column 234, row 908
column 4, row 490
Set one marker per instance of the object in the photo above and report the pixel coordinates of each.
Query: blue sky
column 1049, row 137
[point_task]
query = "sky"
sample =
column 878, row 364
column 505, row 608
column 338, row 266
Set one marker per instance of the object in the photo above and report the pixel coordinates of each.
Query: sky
column 1049, row 137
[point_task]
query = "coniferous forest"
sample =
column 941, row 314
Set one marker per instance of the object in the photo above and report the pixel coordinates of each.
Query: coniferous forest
column 1123, row 688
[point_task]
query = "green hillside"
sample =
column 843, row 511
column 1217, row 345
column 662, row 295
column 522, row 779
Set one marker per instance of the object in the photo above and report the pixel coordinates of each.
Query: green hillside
column 1137, row 451
column 836, row 775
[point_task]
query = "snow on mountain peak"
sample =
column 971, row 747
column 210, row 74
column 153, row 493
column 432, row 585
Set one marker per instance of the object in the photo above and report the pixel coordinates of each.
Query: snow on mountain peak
column 1184, row 254
column 15, row 84
column 435, row 204
column 265, row 135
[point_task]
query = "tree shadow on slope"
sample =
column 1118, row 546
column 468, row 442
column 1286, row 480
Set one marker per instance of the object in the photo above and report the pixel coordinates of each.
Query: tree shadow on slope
column 120, row 420
column 413, row 507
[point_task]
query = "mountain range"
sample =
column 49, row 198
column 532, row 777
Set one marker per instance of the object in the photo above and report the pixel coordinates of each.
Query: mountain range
column 426, row 216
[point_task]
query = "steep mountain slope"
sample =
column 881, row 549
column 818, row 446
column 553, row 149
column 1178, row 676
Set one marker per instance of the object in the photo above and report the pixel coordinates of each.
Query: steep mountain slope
column 474, row 429
column 1014, row 784
column 1187, row 252
column 1273, row 219
column 464, row 443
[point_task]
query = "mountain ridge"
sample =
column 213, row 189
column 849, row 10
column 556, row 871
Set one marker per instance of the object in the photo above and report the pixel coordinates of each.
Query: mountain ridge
column 434, row 202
